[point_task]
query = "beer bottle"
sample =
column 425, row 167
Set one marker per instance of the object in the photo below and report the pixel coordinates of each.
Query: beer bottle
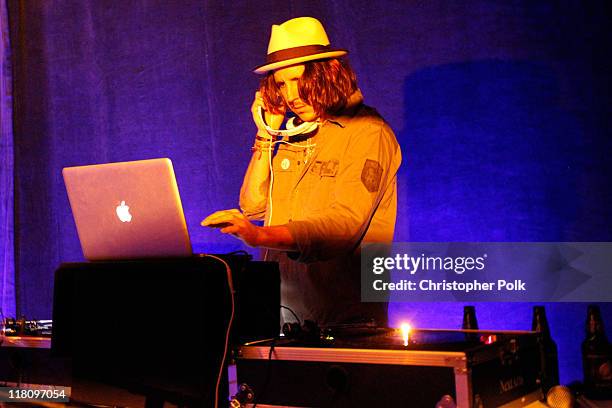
column 469, row 318
column 596, row 361
column 470, row 322
column 549, row 361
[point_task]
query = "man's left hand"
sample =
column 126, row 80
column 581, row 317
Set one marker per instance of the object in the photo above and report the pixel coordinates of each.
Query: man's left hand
column 235, row 223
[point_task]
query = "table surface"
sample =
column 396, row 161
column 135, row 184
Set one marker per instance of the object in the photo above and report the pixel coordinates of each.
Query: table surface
column 26, row 342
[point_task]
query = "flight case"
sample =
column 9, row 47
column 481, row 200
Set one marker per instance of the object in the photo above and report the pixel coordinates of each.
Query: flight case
column 375, row 369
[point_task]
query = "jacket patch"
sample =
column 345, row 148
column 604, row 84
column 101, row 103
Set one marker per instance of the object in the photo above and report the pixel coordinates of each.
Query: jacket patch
column 371, row 175
column 326, row 168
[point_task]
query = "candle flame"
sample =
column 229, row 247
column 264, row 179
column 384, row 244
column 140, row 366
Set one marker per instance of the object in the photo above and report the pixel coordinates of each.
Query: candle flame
column 405, row 328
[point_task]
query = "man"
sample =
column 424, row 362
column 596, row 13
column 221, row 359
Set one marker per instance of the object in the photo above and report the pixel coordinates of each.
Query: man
column 325, row 190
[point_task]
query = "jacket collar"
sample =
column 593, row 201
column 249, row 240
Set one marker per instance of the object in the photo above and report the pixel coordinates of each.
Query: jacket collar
column 353, row 104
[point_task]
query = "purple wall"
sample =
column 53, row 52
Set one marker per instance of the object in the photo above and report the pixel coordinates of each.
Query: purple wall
column 502, row 110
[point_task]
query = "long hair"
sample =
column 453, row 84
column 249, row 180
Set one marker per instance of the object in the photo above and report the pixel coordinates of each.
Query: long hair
column 325, row 85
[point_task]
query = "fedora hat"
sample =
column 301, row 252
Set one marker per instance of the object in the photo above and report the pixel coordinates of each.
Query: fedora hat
column 297, row 40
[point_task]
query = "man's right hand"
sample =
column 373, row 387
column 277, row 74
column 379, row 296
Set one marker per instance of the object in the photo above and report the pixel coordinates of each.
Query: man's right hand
column 235, row 223
column 272, row 119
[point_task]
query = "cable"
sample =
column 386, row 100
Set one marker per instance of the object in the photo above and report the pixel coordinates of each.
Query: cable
column 268, row 369
column 241, row 252
column 271, row 168
column 308, row 148
column 293, row 313
column 230, row 285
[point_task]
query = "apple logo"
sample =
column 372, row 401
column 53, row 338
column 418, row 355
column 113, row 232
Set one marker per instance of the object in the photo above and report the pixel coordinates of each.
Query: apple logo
column 123, row 212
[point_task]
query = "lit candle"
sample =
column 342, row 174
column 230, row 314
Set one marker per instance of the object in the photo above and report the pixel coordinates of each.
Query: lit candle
column 405, row 328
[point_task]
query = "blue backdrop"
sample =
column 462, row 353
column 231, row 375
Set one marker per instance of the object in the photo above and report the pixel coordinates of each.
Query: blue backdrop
column 502, row 109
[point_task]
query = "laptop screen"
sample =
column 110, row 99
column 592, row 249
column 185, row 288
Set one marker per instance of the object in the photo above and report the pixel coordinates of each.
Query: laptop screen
column 127, row 210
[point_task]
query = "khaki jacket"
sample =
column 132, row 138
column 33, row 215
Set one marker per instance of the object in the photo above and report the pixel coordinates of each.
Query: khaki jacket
column 332, row 197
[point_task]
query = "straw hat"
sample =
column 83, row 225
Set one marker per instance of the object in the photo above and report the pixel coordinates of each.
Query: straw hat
column 297, row 40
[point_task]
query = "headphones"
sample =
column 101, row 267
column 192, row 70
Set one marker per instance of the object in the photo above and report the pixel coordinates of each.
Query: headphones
column 292, row 129
column 309, row 332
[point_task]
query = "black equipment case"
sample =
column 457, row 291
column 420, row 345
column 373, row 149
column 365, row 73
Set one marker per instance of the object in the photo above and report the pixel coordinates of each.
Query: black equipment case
column 157, row 327
column 475, row 368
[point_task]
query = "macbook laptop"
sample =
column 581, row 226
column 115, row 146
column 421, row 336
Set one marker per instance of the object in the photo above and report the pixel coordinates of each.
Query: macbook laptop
column 127, row 210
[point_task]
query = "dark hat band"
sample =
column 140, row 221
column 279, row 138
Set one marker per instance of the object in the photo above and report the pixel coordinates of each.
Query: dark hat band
column 296, row 52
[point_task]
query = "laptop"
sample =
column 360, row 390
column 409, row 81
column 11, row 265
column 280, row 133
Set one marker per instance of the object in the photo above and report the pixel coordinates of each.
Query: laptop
column 128, row 210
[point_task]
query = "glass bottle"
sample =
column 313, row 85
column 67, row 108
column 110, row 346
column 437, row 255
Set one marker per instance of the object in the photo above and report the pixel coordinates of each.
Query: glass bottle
column 596, row 359
column 470, row 323
column 549, row 359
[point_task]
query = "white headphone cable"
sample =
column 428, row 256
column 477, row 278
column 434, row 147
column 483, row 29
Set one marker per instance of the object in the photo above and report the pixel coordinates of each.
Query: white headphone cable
column 308, row 147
